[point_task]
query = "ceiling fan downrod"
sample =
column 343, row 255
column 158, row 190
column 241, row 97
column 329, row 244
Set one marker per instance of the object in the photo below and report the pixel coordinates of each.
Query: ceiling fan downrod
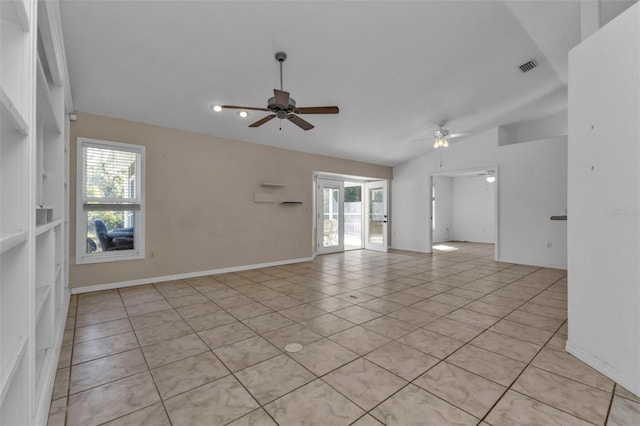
column 281, row 57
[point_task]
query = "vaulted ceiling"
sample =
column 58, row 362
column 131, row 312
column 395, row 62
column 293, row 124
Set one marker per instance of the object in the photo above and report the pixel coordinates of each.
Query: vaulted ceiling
column 394, row 68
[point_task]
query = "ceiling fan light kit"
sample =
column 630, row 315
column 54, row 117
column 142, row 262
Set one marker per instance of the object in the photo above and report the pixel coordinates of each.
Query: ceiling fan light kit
column 441, row 142
column 441, row 135
column 282, row 106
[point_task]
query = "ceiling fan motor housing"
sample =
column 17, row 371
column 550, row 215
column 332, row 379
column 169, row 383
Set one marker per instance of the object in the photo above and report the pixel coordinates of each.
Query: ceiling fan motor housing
column 271, row 104
column 441, row 133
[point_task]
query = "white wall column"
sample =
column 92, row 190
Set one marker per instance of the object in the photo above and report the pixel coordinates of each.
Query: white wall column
column 604, row 200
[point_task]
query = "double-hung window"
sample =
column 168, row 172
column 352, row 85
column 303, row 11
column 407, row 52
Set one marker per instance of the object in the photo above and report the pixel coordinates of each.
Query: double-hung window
column 110, row 201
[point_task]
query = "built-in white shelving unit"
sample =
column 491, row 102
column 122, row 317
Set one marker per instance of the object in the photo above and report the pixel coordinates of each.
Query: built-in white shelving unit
column 34, row 293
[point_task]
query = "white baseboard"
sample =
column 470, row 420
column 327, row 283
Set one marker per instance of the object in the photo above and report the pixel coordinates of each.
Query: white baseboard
column 630, row 383
column 414, row 250
column 529, row 263
column 152, row 280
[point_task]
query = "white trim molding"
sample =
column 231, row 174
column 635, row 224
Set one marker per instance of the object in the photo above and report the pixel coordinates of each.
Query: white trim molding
column 136, row 204
column 153, row 280
column 630, row 383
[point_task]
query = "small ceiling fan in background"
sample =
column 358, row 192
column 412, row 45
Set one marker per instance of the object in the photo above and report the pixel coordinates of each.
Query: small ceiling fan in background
column 283, row 106
column 490, row 175
column 440, row 138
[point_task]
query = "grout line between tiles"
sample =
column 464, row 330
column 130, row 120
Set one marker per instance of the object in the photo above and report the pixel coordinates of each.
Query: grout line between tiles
column 613, row 395
column 362, row 264
column 520, row 374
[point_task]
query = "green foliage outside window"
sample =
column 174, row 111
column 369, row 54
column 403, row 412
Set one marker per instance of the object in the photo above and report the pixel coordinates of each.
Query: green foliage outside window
column 106, row 181
column 352, row 194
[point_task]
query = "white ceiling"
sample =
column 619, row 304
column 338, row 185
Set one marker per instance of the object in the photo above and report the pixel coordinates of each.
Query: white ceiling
column 394, row 68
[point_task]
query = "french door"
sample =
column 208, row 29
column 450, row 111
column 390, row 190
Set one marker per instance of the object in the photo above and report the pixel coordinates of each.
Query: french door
column 376, row 216
column 330, row 216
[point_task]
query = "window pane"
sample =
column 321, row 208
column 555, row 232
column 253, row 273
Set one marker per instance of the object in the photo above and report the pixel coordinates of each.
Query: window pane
column 110, row 231
column 331, row 222
column 111, row 173
column 376, row 215
column 352, row 194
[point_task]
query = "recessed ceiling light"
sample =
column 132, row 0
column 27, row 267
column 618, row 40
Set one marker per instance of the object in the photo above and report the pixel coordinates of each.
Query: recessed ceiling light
column 216, row 108
column 243, row 114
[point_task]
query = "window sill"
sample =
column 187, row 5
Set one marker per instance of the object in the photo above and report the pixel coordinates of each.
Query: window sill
column 108, row 257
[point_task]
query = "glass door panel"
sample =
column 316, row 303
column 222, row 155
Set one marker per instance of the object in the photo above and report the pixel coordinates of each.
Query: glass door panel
column 353, row 216
column 376, row 217
column 330, row 216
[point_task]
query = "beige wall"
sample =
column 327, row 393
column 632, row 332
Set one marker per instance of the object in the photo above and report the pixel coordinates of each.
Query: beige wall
column 200, row 213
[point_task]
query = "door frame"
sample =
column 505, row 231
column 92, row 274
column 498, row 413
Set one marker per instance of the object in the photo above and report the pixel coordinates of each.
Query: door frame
column 317, row 175
column 461, row 172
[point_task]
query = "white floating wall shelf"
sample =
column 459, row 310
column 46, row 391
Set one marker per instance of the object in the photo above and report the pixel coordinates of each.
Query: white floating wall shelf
column 263, row 197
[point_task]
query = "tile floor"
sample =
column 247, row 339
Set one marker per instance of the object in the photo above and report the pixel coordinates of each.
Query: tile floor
column 396, row 339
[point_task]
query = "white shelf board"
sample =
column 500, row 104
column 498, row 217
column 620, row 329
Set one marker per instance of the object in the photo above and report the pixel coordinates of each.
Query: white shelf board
column 6, row 376
column 12, row 239
column 45, row 104
column 263, row 197
column 11, row 114
column 16, row 11
column 41, row 358
column 41, row 229
column 42, row 293
column 44, row 384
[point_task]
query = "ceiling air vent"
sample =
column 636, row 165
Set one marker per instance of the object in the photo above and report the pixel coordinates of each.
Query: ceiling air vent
column 528, row 66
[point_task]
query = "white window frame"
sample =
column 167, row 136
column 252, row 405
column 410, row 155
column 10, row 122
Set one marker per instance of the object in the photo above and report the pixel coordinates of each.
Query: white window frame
column 138, row 252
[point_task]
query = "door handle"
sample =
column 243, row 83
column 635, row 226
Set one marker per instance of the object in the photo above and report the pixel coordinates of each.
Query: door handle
column 384, row 221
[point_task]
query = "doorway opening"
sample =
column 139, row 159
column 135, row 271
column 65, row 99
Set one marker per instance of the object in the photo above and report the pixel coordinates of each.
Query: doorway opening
column 353, row 216
column 464, row 208
column 351, row 213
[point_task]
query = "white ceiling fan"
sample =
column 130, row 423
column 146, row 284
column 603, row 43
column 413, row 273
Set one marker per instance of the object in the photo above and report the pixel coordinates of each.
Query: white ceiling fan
column 490, row 175
column 442, row 136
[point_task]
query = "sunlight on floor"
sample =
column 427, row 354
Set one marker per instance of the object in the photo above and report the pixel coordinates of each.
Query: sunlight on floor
column 442, row 247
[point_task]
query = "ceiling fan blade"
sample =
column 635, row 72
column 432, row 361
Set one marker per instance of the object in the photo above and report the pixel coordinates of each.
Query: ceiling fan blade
column 459, row 135
column 263, row 120
column 304, row 125
column 242, row 107
column 282, row 98
column 318, row 110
